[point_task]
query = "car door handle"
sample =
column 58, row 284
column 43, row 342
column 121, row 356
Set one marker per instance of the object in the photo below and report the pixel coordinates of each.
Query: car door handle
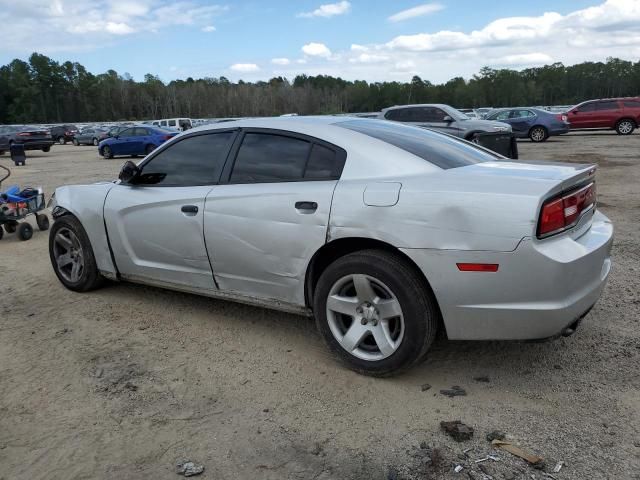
column 189, row 209
column 309, row 207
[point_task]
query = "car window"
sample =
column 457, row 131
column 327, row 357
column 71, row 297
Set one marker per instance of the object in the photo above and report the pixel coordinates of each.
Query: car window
column 443, row 151
column 587, row 107
column 607, row 105
column 632, row 103
column 172, row 123
column 323, row 163
column 163, row 123
column 141, row 132
column 267, row 158
column 501, row 115
column 522, row 113
column 398, row 115
column 126, row 133
column 192, row 161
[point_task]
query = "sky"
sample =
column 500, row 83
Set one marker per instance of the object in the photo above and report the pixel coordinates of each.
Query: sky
column 371, row 40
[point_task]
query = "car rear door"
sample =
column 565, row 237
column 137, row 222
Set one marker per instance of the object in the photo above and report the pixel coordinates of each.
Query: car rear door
column 139, row 140
column 521, row 120
column 155, row 223
column 263, row 226
column 607, row 113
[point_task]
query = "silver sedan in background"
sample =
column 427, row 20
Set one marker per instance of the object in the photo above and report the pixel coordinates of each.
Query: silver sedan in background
column 384, row 232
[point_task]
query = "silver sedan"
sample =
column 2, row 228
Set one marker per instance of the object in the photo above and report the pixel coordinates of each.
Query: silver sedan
column 384, row 232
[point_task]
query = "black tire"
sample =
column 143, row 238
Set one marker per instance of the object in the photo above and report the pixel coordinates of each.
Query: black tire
column 538, row 134
column 149, row 148
column 10, row 227
column 1, row 152
column 46, row 149
column 43, row 222
column 95, row 142
column 89, row 278
column 76, row 142
column 419, row 309
column 106, row 152
column 1, row 233
column 25, row 231
column 626, row 126
column 61, row 141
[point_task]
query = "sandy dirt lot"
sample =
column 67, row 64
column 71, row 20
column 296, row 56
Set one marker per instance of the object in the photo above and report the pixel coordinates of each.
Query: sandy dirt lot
column 123, row 382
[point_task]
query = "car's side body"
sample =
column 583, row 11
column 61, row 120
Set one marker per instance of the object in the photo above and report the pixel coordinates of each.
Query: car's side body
column 31, row 138
column 443, row 118
column 135, row 140
column 262, row 242
column 605, row 114
column 524, row 119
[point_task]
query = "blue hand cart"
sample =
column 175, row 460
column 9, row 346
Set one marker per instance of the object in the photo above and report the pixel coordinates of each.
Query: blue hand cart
column 16, row 204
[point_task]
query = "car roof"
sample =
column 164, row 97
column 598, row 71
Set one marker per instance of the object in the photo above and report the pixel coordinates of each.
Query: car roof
column 438, row 105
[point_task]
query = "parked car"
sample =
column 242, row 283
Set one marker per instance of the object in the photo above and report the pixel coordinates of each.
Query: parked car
column 89, row 136
column 134, row 141
column 383, row 231
column 482, row 111
column 112, row 132
column 536, row 124
column 443, row 118
column 178, row 124
column 30, row 138
column 63, row 133
column 469, row 112
column 620, row 114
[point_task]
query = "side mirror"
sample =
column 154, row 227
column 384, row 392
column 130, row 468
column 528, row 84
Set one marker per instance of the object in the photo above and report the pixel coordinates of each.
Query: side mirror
column 447, row 119
column 128, row 172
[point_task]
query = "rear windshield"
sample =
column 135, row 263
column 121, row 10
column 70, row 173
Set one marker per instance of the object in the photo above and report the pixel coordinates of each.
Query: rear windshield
column 443, row 151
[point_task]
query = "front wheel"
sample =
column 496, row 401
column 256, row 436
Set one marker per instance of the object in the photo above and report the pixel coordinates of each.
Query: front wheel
column 106, row 152
column 625, row 127
column 25, row 231
column 538, row 134
column 61, row 141
column 11, row 226
column 43, row 222
column 375, row 312
column 95, row 142
column 72, row 256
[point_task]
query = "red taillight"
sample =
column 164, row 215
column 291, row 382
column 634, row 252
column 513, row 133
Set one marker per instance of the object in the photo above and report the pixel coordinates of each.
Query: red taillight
column 24, row 134
column 477, row 267
column 562, row 213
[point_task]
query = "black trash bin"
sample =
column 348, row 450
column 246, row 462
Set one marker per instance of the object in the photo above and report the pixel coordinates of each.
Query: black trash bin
column 17, row 154
column 503, row 143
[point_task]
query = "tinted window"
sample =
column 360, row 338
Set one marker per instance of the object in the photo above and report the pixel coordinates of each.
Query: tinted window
column 398, row 115
column 323, row 163
column 522, row 114
column 587, row 107
column 632, row 103
column 193, row 161
column 610, row 105
column 264, row 157
column 141, row 132
column 126, row 133
column 172, row 123
column 500, row 115
column 163, row 123
column 441, row 150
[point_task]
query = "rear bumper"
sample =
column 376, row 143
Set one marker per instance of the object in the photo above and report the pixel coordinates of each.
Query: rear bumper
column 539, row 289
column 36, row 144
column 559, row 130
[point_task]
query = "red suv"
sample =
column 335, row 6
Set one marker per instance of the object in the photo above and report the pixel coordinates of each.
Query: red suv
column 621, row 114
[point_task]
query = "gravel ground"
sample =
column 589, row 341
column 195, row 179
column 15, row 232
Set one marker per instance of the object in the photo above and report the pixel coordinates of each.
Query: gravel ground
column 125, row 381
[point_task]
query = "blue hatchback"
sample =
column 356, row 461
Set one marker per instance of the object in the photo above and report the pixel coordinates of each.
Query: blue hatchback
column 534, row 123
column 136, row 140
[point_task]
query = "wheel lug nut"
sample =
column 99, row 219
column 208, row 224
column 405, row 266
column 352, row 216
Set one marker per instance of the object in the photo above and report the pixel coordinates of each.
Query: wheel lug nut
column 363, row 321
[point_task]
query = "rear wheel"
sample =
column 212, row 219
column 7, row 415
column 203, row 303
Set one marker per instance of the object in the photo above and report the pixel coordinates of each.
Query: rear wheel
column 46, row 149
column 72, row 256
column 61, row 140
column 76, row 142
column 375, row 312
column 25, row 231
column 95, row 142
column 538, row 134
column 43, row 222
column 106, row 152
column 625, row 127
column 10, row 227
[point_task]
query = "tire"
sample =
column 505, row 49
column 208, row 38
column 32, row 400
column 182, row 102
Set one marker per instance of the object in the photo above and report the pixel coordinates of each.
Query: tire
column 1, row 152
column 625, row 126
column 149, row 148
column 106, row 152
column 43, row 222
column 392, row 282
column 95, row 142
column 68, row 242
column 76, row 142
column 25, row 231
column 46, row 149
column 1, row 233
column 538, row 134
column 10, row 227
column 61, row 141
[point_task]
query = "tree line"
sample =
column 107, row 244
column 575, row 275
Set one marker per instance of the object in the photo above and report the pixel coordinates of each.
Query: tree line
column 42, row 90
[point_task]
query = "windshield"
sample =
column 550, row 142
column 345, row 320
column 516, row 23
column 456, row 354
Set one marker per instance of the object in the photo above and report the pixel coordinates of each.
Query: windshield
column 444, row 151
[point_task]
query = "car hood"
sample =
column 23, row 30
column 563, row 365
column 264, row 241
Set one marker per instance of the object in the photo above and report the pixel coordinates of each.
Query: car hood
column 488, row 125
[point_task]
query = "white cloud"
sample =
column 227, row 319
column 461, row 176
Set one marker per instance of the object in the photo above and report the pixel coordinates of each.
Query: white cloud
column 245, row 67
column 419, row 11
column 524, row 59
column 316, row 50
column 118, row 28
column 328, row 10
column 369, row 58
column 280, row 61
column 209, row 28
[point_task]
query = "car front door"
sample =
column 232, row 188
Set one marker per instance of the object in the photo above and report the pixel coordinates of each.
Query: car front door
column 434, row 118
column 155, row 223
column 583, row 116
column 263, row 226
column 123, row 144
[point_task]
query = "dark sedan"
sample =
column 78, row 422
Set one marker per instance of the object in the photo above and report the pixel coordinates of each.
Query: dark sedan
column 90, row 136
column 31, row 138
column 536, row 124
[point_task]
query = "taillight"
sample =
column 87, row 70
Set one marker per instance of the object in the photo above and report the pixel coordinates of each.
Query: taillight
column 562, row 117
column 24, row 134
column 167, row 137
column 562, row 213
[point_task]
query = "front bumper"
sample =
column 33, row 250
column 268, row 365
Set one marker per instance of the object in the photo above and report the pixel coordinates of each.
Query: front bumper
column 539, row 289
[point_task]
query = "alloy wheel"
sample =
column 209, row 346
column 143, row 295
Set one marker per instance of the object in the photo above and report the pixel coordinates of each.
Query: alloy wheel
column 365, row 317
column 68, row 255
column 537, row 134
column 625, row 127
